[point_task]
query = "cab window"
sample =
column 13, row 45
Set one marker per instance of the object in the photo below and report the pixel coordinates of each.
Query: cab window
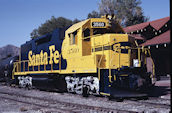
column 98, row 31
column 73, row 38
column 86, row 33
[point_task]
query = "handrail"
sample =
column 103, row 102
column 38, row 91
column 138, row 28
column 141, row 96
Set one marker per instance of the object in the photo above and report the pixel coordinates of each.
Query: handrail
column 100, row 61
column 153, row 67
column 137, row 48
column 14, row 67
column 25, row 63
column 119, row 59
column 102, row 55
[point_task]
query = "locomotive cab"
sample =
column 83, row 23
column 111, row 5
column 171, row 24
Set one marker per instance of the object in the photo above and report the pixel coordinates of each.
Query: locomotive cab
column 99, row 45
column 83, row 44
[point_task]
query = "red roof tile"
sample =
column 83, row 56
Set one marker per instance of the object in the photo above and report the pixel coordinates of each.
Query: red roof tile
column 136, row 27
column 157, row 24
column 136, row 36
column 161, row 39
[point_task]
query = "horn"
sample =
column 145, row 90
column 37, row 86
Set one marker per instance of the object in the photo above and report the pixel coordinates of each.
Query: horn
column 113, row 16
column 106, row 15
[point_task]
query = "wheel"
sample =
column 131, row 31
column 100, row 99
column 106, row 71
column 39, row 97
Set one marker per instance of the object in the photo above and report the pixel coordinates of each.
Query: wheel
column 85, row 92
column 29, row 86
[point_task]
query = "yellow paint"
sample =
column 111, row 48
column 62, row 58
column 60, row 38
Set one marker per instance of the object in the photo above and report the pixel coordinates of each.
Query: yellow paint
column 51, row 48
column 99, row 73
column 52, row 71
column 114, row 77
column 45, row 58
column 106, row 94
column 42, row 57
column 110, row 77
column 124, row 75
column 153, row 68
column 30, row 58
column 139, row 57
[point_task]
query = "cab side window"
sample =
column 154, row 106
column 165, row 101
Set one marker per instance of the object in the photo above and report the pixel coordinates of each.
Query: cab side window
column 73, row 38
column 86, row 33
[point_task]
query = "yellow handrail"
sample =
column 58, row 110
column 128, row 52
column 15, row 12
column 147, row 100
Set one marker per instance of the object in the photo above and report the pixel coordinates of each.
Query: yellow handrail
column 153, row 66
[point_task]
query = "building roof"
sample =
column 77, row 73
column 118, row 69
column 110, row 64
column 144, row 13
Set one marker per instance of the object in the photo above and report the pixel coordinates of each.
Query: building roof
column 136, row 27
column 156, row 24
column 136, row 36
column 161, row 39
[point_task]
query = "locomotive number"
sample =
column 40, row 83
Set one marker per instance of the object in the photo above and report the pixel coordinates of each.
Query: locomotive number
column 98, row 24
column 73, row 50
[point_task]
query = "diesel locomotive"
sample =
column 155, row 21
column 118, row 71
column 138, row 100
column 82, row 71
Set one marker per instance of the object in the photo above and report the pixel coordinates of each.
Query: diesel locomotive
column 93, row 56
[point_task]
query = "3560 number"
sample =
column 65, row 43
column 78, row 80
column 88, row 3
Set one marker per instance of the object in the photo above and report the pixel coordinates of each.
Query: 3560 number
column 98, row 24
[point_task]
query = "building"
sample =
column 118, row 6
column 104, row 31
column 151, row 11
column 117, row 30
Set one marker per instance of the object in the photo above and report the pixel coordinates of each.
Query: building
column 154, row 35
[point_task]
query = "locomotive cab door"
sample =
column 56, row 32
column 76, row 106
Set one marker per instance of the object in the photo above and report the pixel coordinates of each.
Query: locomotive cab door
column 104, row 82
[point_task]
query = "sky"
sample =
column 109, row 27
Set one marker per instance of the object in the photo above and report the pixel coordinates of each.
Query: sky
column 19, row 17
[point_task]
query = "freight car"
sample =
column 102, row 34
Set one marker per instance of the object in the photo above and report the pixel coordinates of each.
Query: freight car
column 93, row 56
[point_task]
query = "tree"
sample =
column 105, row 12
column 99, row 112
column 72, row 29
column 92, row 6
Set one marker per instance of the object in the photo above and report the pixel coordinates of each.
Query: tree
column 75, row 21
column 50, row 25
column 107, row 7
column 127, row 12
column 34, row 33
column 93, row 14
column 137, row 18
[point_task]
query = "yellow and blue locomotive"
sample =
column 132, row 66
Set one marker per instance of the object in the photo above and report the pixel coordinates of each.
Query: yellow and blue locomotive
column 93, row 56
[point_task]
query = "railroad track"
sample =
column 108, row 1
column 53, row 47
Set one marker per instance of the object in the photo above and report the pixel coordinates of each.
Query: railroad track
column 57, row 105
column 128, row 106
column 157, row 101
column 149, row 103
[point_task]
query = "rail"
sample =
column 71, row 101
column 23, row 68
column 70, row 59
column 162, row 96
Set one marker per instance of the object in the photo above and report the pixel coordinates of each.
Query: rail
column 23, row 66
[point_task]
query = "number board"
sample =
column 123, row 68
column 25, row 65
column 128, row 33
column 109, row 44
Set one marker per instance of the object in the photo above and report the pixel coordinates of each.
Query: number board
column 98, row 24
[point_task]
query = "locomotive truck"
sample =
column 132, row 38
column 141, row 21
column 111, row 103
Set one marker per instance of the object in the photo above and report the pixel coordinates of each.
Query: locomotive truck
column 93, row 56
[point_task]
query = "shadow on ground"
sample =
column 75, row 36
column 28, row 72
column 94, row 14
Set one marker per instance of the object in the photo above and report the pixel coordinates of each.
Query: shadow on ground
column 157, row 91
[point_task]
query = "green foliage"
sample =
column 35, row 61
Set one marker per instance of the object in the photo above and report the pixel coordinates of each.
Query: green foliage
column 75, row 21
column 34, row 33
column 107, row 7
column 127, row 12
column 94, row 14
column 52, row 24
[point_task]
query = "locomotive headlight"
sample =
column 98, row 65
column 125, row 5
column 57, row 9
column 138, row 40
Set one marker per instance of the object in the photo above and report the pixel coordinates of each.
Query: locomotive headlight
column 135, row 62
column 11, row 62
column 116, row 47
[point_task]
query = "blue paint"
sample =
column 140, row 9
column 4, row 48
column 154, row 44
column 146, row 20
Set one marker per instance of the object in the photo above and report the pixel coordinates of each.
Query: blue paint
column 43, row 43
